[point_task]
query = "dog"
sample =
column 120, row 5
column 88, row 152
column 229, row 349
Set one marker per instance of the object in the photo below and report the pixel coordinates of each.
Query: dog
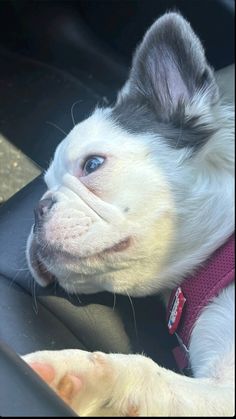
column 140, row 196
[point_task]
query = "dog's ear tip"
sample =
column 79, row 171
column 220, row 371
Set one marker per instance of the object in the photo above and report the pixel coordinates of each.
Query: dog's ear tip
column 170, row 66
column 172, row 18
column 171, row 26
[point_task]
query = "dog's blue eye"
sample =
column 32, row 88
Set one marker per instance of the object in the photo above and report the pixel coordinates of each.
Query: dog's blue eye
column 92, row 164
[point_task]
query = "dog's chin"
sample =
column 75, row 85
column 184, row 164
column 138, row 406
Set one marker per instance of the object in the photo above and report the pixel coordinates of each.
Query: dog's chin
column 48, row 264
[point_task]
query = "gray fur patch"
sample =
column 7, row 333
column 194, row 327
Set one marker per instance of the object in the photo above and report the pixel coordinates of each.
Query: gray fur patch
column 137, row 116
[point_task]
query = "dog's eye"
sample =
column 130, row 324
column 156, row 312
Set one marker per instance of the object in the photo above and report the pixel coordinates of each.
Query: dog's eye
column 91, row 164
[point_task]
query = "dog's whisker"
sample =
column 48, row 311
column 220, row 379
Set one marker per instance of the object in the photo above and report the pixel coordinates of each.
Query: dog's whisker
column 114, row 301
column 66, row 285
column 55, row 285
column 13, row 280
column 56, row 126
column 78, row 298
column 72, row 111
column 21, row 269
column 35, row 303
column 85, row 309
column 75, row 293
column 134, row 315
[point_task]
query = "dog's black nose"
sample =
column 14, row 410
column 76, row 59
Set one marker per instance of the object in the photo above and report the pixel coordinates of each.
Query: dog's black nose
column 42, row 209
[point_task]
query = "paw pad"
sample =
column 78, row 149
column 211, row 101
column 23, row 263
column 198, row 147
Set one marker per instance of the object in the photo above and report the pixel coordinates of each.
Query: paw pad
column 45, row 371
column 68, row 387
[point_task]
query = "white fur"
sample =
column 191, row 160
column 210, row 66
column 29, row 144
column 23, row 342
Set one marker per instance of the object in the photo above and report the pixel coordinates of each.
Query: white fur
column 212, row 339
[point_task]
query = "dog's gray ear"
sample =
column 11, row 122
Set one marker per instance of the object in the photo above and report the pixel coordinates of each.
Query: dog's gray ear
column 169, row 67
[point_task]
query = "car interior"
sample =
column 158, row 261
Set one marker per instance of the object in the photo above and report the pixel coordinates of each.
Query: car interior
column 58, row 60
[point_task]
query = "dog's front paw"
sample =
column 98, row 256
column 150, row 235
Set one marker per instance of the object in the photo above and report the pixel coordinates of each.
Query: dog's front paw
column 98, row 384
column 82, row 379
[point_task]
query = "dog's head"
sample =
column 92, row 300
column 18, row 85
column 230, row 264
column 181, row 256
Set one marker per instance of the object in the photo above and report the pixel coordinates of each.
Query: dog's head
column 114, row 217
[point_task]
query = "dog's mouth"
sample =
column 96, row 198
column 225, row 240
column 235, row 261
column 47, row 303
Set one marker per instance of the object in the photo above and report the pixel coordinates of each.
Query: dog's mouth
column 118, row 247
column 38, row 259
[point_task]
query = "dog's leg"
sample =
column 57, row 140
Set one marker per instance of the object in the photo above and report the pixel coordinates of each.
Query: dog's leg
column 97, row 384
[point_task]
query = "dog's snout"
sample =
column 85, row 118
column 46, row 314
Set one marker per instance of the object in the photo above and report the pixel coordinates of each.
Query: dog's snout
column 42, row 209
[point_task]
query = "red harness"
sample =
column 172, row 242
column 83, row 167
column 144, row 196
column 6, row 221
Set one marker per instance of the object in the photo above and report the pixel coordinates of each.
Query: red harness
column 188, row 300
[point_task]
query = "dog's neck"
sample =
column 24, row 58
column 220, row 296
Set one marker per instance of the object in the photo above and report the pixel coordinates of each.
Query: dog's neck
column 205, row 205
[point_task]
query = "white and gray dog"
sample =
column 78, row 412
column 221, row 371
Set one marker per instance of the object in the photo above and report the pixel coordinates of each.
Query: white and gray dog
column 139, row 196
